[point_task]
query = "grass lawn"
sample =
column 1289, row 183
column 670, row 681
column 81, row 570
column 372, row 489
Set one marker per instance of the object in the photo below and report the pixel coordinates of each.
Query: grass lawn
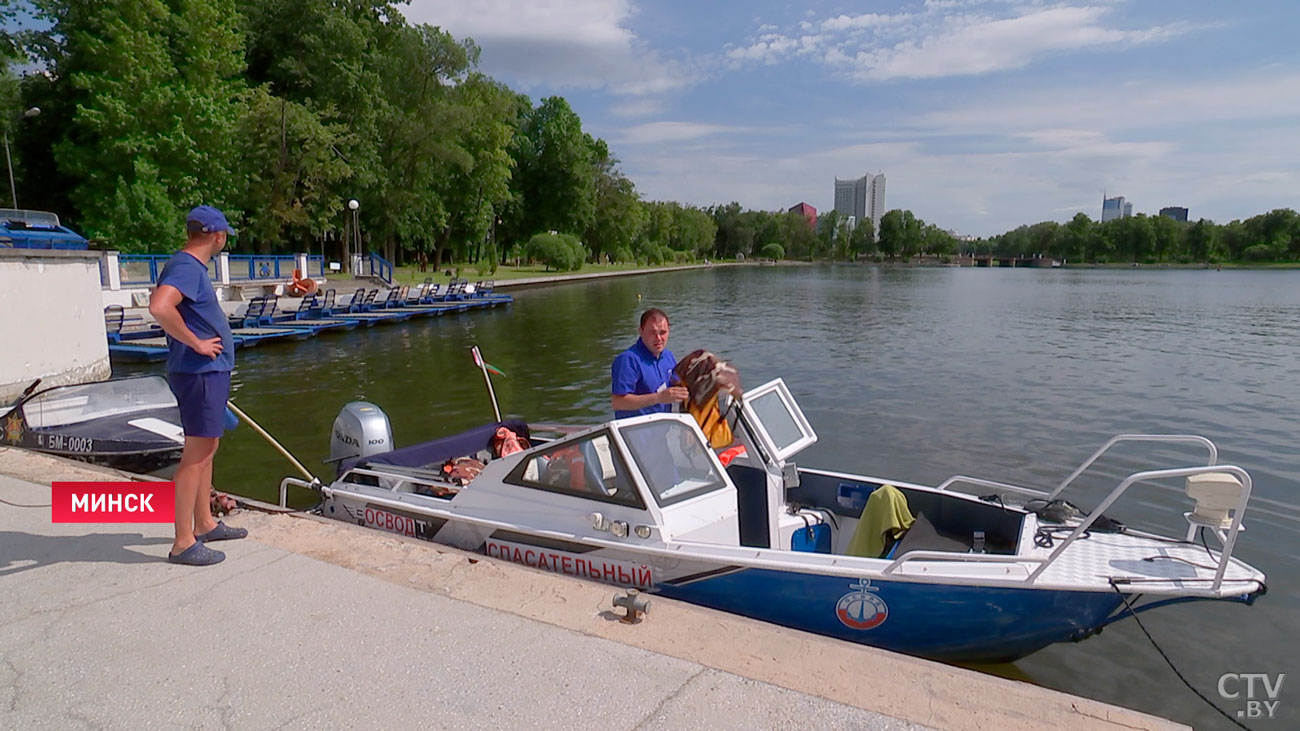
column 413, row 275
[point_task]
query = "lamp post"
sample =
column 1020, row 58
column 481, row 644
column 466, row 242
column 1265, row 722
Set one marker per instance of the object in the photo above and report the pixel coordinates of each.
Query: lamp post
column 13, row 191
column 353, row 205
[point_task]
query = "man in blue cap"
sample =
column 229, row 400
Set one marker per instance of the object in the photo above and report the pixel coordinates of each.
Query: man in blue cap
column 201, row 355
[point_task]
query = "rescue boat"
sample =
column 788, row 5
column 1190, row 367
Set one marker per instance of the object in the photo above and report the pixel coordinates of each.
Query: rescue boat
column 985, row 571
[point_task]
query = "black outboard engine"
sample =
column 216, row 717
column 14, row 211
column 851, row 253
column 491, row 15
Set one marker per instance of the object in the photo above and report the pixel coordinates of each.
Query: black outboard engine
column 360, row 430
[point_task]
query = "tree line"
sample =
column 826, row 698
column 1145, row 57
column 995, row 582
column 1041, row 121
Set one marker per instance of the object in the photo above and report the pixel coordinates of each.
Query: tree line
column 280, row 111
column 1267, row 237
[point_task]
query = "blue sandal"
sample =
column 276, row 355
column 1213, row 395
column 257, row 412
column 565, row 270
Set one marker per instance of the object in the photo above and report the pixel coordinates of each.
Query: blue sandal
column 197, row 555
column 223, row 532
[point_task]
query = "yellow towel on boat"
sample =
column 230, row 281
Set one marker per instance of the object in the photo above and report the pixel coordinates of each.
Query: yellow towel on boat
column 885, row 518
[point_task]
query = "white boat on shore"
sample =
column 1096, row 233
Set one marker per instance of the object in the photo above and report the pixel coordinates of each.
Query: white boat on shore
column 645, row 502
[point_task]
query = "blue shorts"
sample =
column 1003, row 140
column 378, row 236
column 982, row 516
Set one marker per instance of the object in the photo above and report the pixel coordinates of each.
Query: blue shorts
column 202, row 400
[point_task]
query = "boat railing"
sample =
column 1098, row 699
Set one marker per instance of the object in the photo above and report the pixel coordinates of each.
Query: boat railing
column 981, row 558
column 1229, row 539
column 1120, row 438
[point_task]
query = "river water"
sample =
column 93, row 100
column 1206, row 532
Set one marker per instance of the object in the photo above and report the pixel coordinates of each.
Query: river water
column 909, row 373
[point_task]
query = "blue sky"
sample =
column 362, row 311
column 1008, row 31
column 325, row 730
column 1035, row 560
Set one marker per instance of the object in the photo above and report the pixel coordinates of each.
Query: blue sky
column 983, row 114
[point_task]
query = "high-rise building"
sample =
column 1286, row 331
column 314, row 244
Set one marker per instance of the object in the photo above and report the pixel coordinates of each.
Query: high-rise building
column 1178, row 213
column 1112, row 208
column 861, row 198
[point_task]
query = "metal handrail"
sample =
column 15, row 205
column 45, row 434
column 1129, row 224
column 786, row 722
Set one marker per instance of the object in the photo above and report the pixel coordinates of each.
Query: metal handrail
column 947, row 556
column 1166, row 438
column 1224, row 556
column 980, row 482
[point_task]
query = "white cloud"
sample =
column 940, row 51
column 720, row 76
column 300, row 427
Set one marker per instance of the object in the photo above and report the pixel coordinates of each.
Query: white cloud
column 953, row 38
column 655, row 132
column 558, row 44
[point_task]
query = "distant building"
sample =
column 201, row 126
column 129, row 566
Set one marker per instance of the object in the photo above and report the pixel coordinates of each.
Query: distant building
column 1112, row 208
column 861, row 198
column 808, row 212
column 1178, row 213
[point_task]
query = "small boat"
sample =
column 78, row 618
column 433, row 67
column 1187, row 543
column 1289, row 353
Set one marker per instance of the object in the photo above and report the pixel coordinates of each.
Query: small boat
column 645, row 502
column 130, row 424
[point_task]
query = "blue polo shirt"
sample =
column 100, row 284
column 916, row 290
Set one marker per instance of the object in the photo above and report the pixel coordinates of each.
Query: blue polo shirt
column 202, row 314
column 637, row 371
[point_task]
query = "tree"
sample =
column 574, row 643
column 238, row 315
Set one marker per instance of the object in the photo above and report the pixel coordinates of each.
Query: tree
column 156, row 93
column 292, row 171
column 863, row 239
column 561, row 251
column 620, row 216
column 1203, row 241
column 773, row 251
column 892, row 232
column 554, row 185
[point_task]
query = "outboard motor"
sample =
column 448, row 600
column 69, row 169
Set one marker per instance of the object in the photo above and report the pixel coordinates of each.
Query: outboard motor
column 360, row 430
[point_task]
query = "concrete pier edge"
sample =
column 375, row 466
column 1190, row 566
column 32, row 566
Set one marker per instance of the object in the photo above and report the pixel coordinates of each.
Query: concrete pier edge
column 897, row 686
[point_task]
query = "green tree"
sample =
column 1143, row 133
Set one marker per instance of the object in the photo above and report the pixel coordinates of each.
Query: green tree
column 561, row 251
column 156, row 91
column 863, row 239
column 292, row 170
column 1203, row 241
column 773, row 251
column 892, row 232
column 555, row 178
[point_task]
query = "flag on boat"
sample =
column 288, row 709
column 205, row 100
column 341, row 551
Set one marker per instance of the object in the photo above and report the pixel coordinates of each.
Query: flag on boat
column 478, row 361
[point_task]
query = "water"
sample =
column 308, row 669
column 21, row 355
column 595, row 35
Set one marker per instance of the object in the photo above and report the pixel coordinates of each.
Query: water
column 917, row 374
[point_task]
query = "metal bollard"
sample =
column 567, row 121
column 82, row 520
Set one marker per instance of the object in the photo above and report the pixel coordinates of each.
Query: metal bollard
column 634, row 603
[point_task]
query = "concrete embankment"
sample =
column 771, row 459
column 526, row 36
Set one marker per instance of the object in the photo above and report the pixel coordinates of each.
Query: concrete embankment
column 312, row 623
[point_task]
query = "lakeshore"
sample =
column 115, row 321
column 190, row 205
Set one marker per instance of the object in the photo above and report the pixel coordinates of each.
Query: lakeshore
column 311, row 622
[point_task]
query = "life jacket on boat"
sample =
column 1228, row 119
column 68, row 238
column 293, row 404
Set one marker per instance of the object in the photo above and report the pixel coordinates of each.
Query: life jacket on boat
column 507, row 442
column 568, row 468
column 300, row 286
column 705, row 376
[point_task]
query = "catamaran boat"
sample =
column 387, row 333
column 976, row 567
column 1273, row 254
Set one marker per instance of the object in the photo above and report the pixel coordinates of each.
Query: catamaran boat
column 130, row 424
column 985, row 571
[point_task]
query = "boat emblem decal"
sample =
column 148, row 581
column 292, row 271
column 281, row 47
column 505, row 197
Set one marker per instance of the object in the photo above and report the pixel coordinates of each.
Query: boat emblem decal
column 14, row 428
column 860, row 609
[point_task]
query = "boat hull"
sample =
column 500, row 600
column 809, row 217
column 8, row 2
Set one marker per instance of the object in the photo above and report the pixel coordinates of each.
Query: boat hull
column 952, row 623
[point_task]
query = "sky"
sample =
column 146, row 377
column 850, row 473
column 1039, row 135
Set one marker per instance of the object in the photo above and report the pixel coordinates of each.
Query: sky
column 983, row 114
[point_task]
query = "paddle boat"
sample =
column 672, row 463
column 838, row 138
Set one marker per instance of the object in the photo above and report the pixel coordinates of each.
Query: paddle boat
column 969, row 570
column 130, row 424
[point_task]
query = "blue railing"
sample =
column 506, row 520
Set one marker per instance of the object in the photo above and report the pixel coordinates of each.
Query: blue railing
column 143, row 269
column 379, row 267
column 252, row 266
column 139, row 269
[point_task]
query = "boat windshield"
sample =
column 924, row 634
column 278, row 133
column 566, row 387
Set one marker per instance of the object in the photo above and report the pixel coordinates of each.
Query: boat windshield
column 673, row 460
column 76, row 404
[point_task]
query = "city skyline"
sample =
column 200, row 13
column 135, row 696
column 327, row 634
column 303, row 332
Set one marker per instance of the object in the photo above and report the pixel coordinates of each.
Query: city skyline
column 987, row 115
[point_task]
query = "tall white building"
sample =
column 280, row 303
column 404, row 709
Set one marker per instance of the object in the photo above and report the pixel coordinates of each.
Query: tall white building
column 861, row 198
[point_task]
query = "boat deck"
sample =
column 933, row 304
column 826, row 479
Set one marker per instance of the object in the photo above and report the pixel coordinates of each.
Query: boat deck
column 1151, row 566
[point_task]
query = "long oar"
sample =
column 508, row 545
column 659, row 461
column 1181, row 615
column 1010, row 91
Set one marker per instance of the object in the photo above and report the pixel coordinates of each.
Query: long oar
column 278, row 447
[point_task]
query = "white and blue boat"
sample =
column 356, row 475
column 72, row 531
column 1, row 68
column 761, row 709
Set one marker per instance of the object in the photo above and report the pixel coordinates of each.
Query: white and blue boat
column 988, row 572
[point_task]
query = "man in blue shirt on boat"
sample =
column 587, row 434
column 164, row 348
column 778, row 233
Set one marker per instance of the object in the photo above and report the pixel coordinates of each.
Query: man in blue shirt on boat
column 201, row 355
column 641, row 374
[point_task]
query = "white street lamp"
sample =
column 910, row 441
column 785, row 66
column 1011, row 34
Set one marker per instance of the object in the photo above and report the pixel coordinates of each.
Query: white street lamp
column 13, row 191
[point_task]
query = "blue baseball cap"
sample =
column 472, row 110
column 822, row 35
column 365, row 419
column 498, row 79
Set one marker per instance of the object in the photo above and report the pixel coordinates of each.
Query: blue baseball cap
column 206, row 219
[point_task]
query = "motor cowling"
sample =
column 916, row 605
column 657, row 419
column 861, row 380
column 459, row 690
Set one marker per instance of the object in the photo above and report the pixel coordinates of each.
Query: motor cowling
column 360, row 430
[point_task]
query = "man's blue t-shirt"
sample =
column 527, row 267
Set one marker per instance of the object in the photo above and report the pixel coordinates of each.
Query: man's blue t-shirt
column 637, row 371
column 202, row 314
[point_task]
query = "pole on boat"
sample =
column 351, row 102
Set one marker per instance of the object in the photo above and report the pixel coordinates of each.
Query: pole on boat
column 487, row 378
column 266, row 435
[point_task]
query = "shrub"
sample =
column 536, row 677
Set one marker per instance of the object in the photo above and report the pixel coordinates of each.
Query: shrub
column 562, row 251
column 772, row 251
